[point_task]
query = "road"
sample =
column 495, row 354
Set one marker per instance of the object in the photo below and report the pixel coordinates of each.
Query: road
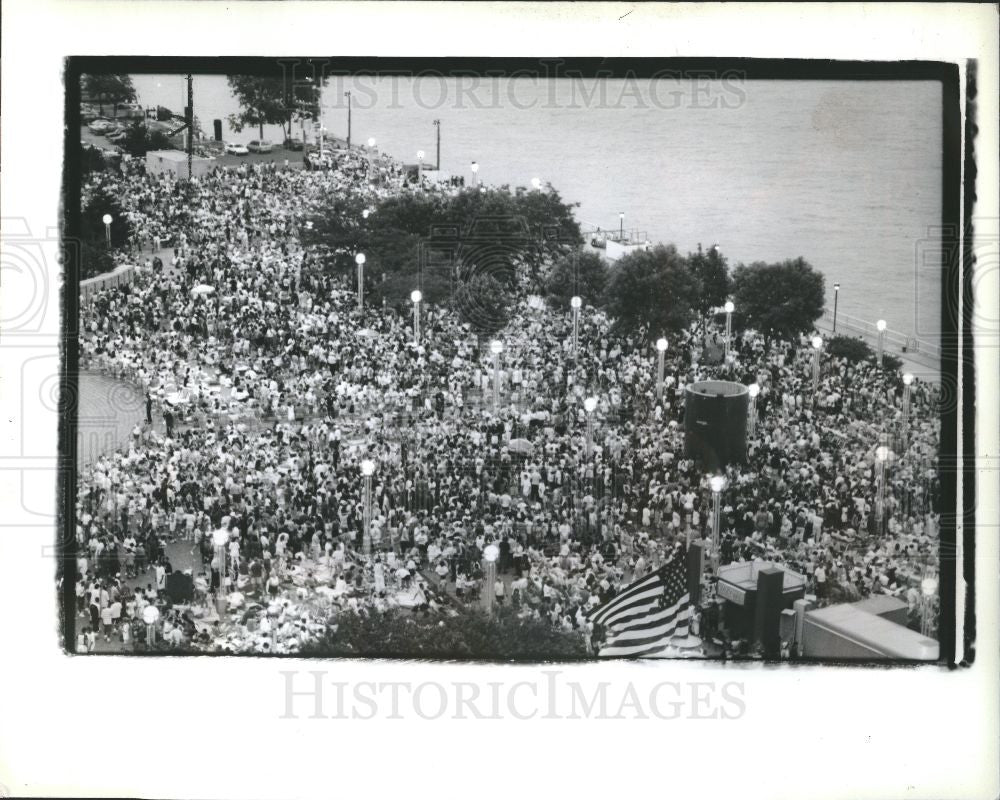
column 279, row 154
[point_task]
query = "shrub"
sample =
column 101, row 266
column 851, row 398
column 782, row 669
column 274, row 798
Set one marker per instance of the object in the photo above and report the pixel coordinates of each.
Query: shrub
column 848, row 347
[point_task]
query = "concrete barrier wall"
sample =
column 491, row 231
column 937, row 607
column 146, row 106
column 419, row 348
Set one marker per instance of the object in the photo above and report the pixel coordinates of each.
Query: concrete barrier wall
column 91, row 286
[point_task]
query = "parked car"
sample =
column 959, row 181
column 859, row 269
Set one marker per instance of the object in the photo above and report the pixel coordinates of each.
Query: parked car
column 260, row 146
column 100, row 125
column 293, row 143
column 117, row 136
column 234, row 149
column 114, row 130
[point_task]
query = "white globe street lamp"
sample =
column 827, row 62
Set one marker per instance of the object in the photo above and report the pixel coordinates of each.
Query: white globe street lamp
column 475, row 173
column 420, row 167
column 661, row 354
column 717, row 484
column 590, row 405
column 490, row 555
column 359, row 259
column 729, row 307
column 817, row 343
column 107, row 220
column 574, row 303
column 753, row 390
column 416, row 296
column 907, row 381
column 536, row 183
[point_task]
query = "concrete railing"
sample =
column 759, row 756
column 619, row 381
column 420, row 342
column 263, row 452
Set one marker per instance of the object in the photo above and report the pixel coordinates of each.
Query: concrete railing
column 89, row 287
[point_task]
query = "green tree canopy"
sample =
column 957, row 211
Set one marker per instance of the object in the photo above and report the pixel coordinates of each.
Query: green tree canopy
column 113, row 89
column 472, row 634
column 493, row 232
column 712, row 270
column 783, row 299
column 483, row 302
column 273, row 101
column 655, row 290
column 849, row 347
column 139, row 140
column 581, row 273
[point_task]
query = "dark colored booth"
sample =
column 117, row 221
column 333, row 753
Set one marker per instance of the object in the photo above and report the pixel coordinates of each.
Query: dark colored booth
column 715, row 423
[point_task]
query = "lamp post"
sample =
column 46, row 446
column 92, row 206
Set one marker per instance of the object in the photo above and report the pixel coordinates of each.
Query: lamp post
column 880, row 325
column 367, row 470
column 348, row 96
column 416, row 296
column 420, row 167
column 661, row 352
column 371, row 159
column 150, row 615
column 220, row 538
column 496, row 347
column 475, row 173
column 928, row 589
column 729, row 323
column 590, row 405
column 882, row 455
column 753, row 390
column 717, row 483
column 437, row 125
column 107, row 219
column 575, row 302
column 536, row 184
column 321, row 135
column 490, row 555
column 621, row 226
column 907, row 380
column 817, row 343
column 836, row 296
column 359, row 259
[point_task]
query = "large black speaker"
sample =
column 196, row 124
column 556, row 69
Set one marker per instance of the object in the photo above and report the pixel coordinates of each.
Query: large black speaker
column 218, row 129
column 715, row 423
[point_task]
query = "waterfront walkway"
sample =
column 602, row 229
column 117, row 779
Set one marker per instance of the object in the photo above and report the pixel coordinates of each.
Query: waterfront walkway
column 921, row 358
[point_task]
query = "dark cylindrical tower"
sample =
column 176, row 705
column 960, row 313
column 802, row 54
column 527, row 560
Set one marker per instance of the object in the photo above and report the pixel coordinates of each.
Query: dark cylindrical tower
column 715, row 423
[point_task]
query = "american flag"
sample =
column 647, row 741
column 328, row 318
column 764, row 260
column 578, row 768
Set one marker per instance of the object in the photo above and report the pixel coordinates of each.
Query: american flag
column 641, row 620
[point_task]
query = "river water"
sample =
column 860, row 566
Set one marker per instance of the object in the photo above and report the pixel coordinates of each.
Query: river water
column 846, row 174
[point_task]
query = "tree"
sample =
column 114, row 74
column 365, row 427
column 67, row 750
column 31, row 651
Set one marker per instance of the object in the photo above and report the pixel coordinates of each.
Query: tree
column 782, row 299
column 114, row 89
column 653, row 289
column 468, row 634
column 483, row 302
column 139, row 140
column 713, row 272
column 273, row 101
column 475, row 233
column 581, row 273
column 848, row 347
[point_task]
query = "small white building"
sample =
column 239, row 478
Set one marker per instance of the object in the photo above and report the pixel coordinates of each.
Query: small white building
column 159, row 162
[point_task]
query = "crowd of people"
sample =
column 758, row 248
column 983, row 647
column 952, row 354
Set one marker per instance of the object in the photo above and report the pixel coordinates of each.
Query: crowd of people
column 275, row 387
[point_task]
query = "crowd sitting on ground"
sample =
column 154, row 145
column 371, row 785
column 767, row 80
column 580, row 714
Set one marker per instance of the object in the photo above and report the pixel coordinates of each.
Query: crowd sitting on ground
column 275, row 387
